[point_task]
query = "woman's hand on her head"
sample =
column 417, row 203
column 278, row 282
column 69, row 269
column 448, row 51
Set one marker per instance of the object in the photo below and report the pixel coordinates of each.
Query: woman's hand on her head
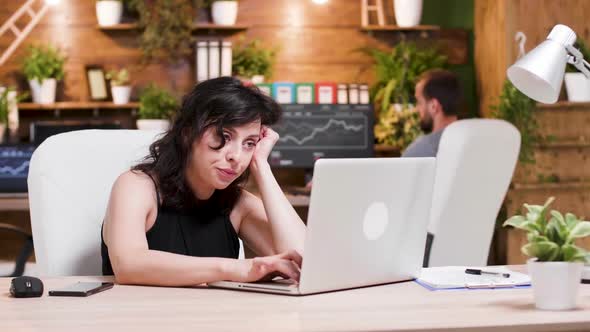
column 268, row 139
column 286, row 265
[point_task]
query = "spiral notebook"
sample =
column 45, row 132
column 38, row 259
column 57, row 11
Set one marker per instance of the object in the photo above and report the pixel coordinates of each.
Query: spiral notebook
column 454, row 277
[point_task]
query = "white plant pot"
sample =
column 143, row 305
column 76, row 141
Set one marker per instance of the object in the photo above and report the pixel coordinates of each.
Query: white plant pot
column 224, row 12
column 44, row 92
column 577, row 87
column 555, row 284
column 153, row 124
column 109, row 12
column 121, row 94
column 407, row 12
column 257, row 79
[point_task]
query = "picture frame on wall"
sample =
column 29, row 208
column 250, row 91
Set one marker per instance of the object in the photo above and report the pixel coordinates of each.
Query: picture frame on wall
column 97, row 83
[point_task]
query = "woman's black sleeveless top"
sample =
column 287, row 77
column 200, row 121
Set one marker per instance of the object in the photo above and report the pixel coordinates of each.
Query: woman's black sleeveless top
column 199, row 232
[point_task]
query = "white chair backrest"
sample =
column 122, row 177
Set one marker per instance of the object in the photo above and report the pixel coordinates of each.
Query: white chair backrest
column 475, row 163
column 70, row 179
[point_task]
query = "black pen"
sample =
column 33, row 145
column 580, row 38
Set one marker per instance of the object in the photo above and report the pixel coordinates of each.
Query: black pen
column 477, row 271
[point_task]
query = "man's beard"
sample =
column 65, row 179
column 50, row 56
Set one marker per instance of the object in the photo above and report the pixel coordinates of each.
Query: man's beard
column 426, row 123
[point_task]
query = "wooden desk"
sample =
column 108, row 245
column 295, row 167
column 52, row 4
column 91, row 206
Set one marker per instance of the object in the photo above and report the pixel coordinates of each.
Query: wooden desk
column 14, row 202
column 397, row 307
column 20, row 202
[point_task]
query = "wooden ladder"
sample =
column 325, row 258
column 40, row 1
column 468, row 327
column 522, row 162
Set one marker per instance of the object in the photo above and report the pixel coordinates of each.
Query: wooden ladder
column 20, row 35
column 366, row 9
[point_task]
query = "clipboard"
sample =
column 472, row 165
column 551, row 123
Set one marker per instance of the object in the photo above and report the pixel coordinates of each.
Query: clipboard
column 455, row 278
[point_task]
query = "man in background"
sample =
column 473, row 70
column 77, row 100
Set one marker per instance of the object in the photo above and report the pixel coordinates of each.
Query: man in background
column 438, row 99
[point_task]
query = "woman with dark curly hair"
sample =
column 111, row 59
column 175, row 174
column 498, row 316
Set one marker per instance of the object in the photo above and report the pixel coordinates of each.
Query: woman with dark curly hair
column 175, row 219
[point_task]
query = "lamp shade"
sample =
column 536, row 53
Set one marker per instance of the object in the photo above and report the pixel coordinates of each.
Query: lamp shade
column 539, row 73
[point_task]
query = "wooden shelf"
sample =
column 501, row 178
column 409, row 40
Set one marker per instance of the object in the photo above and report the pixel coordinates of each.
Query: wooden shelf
column 564, row 145
column 213, row 27
column 400, row 29
column 119, row 27
column 73, row 105
column 196, row 28
column 547, row 186
column 564, row 105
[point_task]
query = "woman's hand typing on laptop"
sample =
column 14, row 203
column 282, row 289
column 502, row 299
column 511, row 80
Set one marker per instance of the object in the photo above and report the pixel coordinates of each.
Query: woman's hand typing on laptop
column 286, row 265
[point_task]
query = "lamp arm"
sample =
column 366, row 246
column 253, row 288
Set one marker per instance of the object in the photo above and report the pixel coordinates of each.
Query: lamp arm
column 576, row 58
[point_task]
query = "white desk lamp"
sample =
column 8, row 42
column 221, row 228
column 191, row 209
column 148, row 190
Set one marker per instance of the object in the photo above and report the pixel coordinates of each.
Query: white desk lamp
column 540, row 72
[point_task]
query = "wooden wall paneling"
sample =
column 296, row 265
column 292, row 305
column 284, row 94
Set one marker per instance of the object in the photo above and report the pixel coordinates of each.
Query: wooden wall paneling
column 490, row 51
column 570, row 163
column 317, row 42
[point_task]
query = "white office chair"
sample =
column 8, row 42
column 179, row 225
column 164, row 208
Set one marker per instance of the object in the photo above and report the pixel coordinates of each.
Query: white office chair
column 475, row 163
column 70, row 179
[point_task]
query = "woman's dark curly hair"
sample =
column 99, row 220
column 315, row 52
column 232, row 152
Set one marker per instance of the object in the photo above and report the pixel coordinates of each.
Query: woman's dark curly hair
column 219, row 103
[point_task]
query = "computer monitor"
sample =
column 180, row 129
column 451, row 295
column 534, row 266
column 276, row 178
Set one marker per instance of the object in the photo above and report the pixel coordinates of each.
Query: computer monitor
column 314, row 131
column 14, row 167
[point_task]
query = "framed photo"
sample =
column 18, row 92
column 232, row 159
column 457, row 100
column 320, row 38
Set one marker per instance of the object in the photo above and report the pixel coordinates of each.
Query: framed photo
column 97, row 84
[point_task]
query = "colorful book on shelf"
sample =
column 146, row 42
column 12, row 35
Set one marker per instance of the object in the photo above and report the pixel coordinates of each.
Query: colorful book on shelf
column 455, row 277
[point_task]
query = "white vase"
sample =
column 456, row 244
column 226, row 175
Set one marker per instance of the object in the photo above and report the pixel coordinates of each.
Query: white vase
column 555, row 284
column 153, row 124
column 407, row 12
column 121, row 94
column 109, row 12
column 44, row 92
column 577, row 87
column 224, row 12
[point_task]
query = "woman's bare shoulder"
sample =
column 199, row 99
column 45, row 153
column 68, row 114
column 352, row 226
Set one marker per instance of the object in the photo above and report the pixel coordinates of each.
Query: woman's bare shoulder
column 134, row 186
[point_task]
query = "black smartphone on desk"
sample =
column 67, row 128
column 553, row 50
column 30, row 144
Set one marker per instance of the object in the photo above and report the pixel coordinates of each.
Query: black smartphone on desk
column 82, row 289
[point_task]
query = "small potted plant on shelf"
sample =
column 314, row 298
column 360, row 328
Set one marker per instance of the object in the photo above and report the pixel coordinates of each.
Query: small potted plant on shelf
column 156, row 106
column 43, row 66
column 109, row 12
column 577, row 85
column 167, row 27
column 9, row 109
column 251, row 61
column 120, row 86
column 556, row 262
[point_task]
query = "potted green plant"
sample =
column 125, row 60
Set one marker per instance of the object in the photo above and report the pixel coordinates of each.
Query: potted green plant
column 167, row 28
column 109, row 12
column 9, row 109
column 556, row 262
column 518, row 109
column 43, row 66
column 577, row 85
column 120, row 85
column 252, row 61
column 397, row 127
column 156, row 105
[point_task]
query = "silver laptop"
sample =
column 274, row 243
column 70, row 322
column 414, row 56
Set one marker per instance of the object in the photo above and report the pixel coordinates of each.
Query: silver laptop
column 366, row 225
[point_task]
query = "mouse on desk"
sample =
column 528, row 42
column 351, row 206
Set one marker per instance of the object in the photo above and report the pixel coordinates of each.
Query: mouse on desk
column 26, row 287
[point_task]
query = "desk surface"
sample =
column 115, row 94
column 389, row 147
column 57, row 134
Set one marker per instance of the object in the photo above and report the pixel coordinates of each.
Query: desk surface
column 20, row 202
column 395, row 307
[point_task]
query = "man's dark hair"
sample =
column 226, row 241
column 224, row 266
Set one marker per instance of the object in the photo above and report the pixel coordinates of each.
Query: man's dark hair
column 218, row 103
column 444, row 86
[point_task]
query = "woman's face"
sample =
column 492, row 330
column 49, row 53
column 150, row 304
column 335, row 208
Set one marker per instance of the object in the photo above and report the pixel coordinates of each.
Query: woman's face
column 217, row 169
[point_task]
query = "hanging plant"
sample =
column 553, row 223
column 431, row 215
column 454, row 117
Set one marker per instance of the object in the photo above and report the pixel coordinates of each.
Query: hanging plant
column 167, row 27
column 518, row 109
